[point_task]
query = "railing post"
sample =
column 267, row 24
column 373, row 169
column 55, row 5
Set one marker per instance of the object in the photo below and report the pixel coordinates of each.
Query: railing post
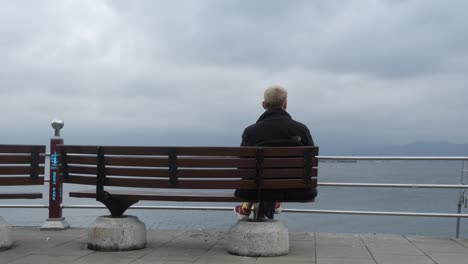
column 55, row 221
column 461, row 199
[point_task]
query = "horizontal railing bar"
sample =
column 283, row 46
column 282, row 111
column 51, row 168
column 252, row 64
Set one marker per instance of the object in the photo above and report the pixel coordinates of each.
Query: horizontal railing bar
column 376, row 213
column 202, row 208
column 389, row 185
column 24, row 206
column 391, row 158
column 393, row 185
column 382, row 185
column 381, row 157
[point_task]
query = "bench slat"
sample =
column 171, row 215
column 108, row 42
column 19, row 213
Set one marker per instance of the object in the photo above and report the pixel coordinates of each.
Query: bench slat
column 138, row 172
column 18, row 159
column 121, row 161
column 20, row 195
column 216, row 173
column 182, row 184
column 76, row 179
column 193, row 184
column 21, row 148
column 84, row 160
column 287, row 183
column 288, row 151
column 193, row 173
column 286, row 162
column 72, row 169
column 287, row 173
column 241, row 163
column 166, row 196
column 241, row 173
column 19, row 170
column 190, row 151
column 161, row 151
column 208, row 173
column 21, row 181
column 217, row 163
column 192, row 162
column 136, row 162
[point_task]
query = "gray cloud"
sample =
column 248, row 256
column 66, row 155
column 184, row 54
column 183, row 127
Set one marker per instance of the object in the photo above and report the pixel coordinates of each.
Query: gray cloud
column 389, row 39
column 193, row 72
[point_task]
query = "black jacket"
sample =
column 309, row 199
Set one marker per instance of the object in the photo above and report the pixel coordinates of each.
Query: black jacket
column 276, row 125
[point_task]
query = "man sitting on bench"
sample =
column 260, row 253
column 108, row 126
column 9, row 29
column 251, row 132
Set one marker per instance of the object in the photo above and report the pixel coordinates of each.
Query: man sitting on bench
column 275, row 127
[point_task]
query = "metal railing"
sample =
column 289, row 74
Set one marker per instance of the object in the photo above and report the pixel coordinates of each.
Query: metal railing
column 462, row 193
column 463, row 197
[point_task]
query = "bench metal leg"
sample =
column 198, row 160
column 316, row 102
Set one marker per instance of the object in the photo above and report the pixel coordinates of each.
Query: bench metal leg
column 116, row 206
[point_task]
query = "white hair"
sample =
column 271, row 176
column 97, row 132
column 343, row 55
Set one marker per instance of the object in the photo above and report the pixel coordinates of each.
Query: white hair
column 275, row 96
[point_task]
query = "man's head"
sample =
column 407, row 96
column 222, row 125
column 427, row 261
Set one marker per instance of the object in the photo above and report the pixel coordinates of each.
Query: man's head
column 275, row 97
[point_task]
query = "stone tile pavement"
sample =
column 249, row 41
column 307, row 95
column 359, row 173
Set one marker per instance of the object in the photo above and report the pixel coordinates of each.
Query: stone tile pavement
column 207, row 246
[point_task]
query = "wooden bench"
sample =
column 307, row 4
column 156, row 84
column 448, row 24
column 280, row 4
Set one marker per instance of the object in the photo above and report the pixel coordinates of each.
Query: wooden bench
column 21, row 165
column 191, row 174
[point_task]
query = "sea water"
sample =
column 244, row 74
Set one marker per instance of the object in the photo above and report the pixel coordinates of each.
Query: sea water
column 329, row 198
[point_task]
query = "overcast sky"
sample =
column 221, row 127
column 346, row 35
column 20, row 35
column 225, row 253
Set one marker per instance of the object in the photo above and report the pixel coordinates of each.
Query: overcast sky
column 368, row 73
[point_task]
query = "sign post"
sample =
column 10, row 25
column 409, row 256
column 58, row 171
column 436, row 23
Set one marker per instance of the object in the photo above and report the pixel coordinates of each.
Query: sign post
column 55, row 221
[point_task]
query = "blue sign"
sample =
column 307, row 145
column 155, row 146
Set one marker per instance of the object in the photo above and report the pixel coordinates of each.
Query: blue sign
column 54, row 159
column 54, row 183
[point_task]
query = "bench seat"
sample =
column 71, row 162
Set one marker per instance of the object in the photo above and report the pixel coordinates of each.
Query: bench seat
column 162, row 196
column 166, row 196
column 21, row 165
column 185, row 174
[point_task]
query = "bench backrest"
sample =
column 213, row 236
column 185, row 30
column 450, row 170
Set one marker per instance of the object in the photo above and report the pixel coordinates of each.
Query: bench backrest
column 190, row 167
column 22, row 164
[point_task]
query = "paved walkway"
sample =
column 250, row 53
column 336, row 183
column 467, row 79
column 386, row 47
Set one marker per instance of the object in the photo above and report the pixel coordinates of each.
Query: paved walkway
column 203, row 246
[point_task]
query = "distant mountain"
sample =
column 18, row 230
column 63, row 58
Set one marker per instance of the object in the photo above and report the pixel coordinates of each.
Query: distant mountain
column 425, row 149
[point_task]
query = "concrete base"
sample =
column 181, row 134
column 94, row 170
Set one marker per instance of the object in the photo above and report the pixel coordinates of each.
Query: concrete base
column 123, row 233
column 258, row 239
column 5, row 235
column 55, row 224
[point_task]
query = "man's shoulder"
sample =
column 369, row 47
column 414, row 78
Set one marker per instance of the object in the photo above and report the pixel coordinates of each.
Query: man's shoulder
column 299, row 124
column 251, row 127
column 282, row 121
column 275, row 128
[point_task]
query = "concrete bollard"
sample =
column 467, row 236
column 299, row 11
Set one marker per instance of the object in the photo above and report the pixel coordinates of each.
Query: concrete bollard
column 123, row 233
column 258, row 239
column 5, row 235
